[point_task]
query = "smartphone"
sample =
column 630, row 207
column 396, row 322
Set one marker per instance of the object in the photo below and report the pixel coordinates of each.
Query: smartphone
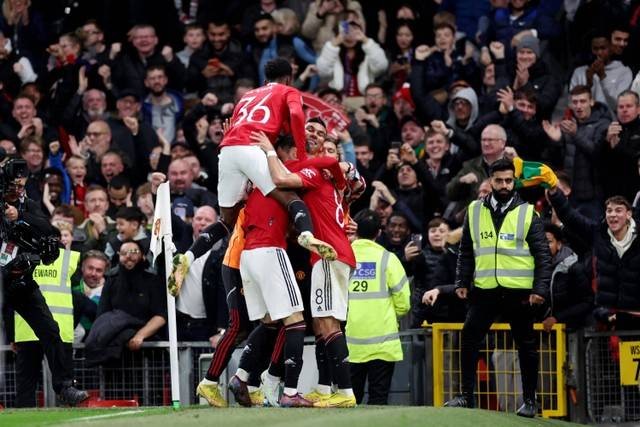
column 568, row 114
column 417, row 240
column 345, row 27
column 214, row 62
column 396, row 144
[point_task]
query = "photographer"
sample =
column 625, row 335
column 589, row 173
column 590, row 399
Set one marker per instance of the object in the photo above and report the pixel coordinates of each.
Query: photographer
column 27, row 239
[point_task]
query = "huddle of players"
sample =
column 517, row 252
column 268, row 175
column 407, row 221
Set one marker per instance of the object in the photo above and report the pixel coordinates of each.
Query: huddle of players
column 257, row 262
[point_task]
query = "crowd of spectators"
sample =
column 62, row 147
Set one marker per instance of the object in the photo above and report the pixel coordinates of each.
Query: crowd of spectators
column 97, row 96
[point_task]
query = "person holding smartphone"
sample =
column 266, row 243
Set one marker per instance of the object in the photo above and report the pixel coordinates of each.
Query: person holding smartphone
column 351, row 60
column 424, row 260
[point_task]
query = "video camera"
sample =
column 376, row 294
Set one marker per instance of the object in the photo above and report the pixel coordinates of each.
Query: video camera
column 35, row 247
column 10, row 170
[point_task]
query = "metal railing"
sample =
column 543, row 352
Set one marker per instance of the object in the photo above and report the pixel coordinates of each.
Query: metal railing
column 498, row 383
column 608, row 401
column 428, row 375
column 144, row 376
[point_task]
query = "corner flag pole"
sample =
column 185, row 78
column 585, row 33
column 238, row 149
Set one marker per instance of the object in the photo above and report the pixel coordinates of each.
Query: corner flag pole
column 161, row 240
column 171, row 317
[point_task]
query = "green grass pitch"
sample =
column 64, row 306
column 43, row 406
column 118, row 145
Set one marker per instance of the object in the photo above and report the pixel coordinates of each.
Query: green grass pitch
column 372, row 416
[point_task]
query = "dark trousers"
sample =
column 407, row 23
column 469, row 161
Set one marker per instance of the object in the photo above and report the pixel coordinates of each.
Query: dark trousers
column 379, row 374
column 30, row 304
column 513, row 306
column 28, row 375
column 192, row 329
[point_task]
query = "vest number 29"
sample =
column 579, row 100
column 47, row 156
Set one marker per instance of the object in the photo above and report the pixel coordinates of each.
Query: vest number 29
column 360, row 286
column 486, row 234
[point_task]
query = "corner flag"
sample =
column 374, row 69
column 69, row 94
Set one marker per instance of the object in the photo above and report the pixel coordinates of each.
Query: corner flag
column 161, row 240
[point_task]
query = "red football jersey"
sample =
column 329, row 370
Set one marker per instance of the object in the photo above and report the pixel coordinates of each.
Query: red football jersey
column 327, row 213
column 266, row 222
column 273, row 109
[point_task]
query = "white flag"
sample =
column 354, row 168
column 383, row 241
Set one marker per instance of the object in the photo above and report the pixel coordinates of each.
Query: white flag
column 161, row 227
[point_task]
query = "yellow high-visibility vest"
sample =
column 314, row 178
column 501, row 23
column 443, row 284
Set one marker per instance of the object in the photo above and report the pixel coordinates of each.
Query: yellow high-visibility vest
column 55, row 284
column 502, row 257
column 378, row 294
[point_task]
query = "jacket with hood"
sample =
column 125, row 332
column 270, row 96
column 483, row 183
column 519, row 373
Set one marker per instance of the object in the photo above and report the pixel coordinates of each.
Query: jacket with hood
column 373, row 65
column 616, row 278
column 580, row 154
column 546, row 86
column 570, row 294
column 536, row 239
column 469, row 95
column 618, row 78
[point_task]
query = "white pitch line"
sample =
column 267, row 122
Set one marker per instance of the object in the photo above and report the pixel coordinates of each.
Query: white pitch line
column 116, row 414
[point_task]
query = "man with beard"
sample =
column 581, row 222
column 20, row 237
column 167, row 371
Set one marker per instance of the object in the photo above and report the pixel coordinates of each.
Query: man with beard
column 161, row 108
column 132, row 308
column 504, row 268
column 84, row 107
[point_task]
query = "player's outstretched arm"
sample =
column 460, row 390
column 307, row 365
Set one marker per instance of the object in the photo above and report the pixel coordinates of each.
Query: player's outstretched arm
column 281, row 177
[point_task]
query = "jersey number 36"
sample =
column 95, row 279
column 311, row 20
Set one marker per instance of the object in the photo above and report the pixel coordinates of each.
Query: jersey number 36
column 258, row 113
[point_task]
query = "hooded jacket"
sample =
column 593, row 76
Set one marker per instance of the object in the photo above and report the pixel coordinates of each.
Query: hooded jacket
column 469, row 95
column 570, row 294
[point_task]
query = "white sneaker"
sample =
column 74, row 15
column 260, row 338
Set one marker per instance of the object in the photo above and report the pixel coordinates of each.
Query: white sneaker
column 271, row 390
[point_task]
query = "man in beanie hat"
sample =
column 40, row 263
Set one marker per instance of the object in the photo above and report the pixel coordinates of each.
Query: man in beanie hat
column 606, row 77
column 530, row 72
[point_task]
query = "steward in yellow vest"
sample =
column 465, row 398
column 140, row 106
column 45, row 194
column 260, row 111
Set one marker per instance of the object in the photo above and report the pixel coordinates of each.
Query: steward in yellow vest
column 54, row 281
column 378, row 295
column 504, row 268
